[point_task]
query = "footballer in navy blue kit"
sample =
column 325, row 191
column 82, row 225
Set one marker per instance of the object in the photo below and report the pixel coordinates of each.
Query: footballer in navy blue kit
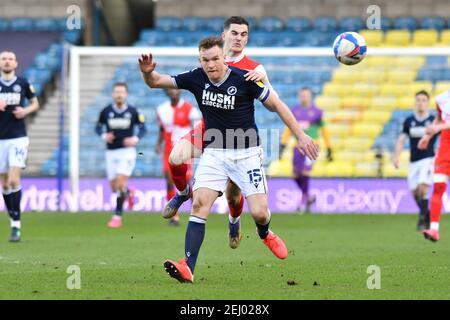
column 14, row 91
column 420, row 174
column 232, row 151
column 116, row 125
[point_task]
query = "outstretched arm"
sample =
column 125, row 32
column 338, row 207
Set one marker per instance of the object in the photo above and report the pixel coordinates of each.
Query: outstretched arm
column 152, row 78
column 398, row 150
column 306, row 144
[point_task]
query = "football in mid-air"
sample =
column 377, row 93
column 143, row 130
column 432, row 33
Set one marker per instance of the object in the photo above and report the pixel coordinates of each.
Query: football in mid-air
column 349, row 48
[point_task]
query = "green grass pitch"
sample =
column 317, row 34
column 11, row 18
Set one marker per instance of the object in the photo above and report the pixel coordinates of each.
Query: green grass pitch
column 329, row 257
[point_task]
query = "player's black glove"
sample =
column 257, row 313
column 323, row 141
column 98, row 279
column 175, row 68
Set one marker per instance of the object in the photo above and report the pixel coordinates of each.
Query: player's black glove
column 329, row 155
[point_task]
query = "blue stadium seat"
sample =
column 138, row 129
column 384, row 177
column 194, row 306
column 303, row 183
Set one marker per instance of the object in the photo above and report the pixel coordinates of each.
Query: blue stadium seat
column 286, row 90
column 253, row 22
column 351, row 24
column 193, row 23
column 325, row 24
column 38, row 75
column 179, row 38
column 326, row 62
column 436, row 61
column 409, row 23
column 430, row 74
column 271, row 24
column 287, row 39
column 72, row 36
column 102, row 101
column 298, row 24
column 313, row 38
column 5, row 24
column 55, row 50
column 140, row 43
column 446, row 74
column 44, row 61
column 299, row 60
column 22, row 24
column 386, row 23
column 215, row 24
column 260, row 39
column 195, row 37
column 154, row 38
column 138, row 88
column 46, row 24
column 168, row 24
column 437, row 23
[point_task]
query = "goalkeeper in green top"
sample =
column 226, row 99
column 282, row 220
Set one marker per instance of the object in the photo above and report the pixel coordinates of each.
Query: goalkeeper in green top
column 309, row 116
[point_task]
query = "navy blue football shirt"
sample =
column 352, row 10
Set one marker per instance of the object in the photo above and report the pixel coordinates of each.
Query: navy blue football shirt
column 227, row 107
column 122, row 123
column 415, row 128
column 14, row 93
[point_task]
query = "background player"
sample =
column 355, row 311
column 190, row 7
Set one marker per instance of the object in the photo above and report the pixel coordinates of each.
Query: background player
column 309, row 116
column 176, row 118
column 441, row 163
column 235, row 37
column 13, row 135
column 212, row 83
column 420, row 175
column 120, row 121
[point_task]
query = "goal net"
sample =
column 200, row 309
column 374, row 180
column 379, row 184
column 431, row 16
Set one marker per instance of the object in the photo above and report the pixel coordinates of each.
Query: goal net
column 363, row 108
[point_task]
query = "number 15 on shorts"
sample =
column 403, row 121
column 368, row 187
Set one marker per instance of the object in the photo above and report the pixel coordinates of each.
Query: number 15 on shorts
column 255, row 177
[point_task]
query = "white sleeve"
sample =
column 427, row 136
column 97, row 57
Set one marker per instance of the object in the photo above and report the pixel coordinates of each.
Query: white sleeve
column 194, row 116
column 266, row 81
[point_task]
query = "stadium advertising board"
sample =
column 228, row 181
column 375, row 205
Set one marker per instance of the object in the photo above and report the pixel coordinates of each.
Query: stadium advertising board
column 333, row 196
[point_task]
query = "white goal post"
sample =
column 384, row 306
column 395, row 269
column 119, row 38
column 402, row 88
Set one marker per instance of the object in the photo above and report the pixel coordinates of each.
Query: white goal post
column 76, row 53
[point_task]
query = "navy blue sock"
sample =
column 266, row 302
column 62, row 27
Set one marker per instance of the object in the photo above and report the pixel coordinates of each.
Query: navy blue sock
column 195, row 234
column 8, row 202
column 424, row 212
column 263, row 230
column 234, row 228
column 15, row 197
column 119, row 205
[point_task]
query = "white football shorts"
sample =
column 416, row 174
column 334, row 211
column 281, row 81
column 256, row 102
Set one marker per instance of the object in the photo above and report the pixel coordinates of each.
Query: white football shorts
column 420, row 172
column 242, row 166
column 120, row 161
column 13, row 153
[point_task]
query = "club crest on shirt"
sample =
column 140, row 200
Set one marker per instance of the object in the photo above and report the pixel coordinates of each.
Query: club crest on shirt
column 17, row 88
column 232, row 90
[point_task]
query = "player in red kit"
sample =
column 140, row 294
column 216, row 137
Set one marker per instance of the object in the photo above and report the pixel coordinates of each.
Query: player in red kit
column 442, row 162
column 176, row 117
column 235, row 37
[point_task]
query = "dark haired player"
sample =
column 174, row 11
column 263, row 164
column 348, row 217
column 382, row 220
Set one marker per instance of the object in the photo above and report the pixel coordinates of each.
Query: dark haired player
column 120, row 120
column 420, row 175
